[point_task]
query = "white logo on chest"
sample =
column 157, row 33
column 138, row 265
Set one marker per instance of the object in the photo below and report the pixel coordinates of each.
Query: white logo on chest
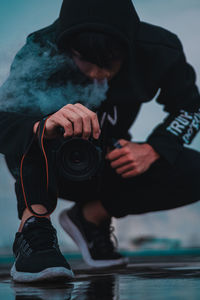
column 111, row 118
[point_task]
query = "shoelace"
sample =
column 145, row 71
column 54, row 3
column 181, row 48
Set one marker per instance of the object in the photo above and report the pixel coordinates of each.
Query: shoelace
column 103, row 237
column 41, row 238
column 112, row 229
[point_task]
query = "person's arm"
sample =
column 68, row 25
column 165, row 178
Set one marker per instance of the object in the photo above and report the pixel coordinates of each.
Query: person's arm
column 181, row 99
column 16, row 127
column 16, row 132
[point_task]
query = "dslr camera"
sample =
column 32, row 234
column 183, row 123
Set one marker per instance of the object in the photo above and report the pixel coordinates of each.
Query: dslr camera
column 79, row 160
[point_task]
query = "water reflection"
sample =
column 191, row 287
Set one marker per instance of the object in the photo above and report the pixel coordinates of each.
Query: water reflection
column 103, row 288
column 98, row 288
column 92, row 288
column 139, row 281
column 53, row 291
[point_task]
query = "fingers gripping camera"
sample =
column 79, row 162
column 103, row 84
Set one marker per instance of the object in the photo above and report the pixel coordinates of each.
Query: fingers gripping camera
column 76, row 120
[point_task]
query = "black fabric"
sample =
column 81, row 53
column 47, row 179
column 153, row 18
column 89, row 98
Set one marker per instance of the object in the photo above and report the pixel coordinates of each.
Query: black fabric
column 162, row 187
column 155, row 61
column 34, row 179
column 76, row 16
column 155, row 65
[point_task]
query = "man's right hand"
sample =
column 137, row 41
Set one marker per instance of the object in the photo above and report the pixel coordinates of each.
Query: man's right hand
column 75, row 119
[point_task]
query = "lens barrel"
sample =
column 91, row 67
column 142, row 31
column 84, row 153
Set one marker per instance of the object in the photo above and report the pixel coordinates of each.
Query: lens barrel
column 78, row 159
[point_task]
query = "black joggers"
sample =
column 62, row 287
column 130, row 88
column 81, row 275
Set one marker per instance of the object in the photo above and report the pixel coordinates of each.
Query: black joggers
column 162, row 187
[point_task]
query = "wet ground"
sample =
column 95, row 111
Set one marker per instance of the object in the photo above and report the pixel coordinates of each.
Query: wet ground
column 144, row 278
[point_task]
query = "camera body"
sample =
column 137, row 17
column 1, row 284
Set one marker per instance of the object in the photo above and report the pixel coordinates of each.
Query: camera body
column 78, row 159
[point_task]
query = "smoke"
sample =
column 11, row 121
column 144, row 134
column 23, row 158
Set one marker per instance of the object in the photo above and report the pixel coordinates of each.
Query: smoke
column 42, row 81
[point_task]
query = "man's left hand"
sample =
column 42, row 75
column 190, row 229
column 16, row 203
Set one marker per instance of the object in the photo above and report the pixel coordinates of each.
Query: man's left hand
column 132, row 159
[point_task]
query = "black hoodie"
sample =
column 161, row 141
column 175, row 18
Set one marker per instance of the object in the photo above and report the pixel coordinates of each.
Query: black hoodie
column 155, row 65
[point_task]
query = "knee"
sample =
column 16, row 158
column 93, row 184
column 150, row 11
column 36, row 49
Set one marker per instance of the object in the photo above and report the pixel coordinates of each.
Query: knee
column 189, row 173
column 189, row 164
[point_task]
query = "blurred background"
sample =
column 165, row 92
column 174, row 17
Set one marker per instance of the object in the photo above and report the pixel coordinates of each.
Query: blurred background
column 172, row 228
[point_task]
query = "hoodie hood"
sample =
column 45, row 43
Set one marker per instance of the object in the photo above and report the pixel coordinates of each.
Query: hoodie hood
column 115, row 17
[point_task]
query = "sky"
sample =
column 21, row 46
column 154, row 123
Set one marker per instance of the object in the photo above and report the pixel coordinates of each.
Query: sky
column 21, row 17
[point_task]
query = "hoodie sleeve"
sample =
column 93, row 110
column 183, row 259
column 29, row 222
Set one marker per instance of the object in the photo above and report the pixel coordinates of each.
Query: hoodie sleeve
column 16, row 128
column 181, row 99
column 16, row 132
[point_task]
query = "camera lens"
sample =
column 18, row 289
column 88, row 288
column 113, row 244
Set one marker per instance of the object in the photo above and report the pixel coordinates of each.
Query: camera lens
column 78, row 159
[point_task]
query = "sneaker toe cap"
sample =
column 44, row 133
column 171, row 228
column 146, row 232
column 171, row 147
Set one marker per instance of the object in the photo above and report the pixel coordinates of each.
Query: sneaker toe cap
column 39, row 261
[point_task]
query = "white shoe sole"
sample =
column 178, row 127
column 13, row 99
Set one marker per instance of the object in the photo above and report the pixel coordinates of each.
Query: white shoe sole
column 71, row 229
column 47, row 274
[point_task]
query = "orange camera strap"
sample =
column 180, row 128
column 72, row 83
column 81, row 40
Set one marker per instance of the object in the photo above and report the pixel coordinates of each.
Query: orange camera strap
column 40, row 137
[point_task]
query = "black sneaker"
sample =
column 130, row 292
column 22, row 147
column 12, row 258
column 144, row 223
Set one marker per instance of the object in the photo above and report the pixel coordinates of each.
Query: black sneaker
column 37, row 253
column 94, row 242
